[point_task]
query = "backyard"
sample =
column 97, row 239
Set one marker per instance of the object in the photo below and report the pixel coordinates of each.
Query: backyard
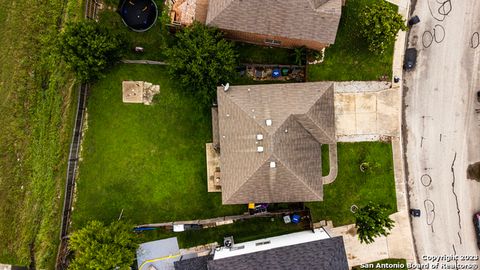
column 147, row 160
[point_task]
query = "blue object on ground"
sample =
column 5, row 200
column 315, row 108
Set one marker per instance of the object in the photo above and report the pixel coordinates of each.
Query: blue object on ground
column 295, row 219
column 276, row 73
column 144, row 229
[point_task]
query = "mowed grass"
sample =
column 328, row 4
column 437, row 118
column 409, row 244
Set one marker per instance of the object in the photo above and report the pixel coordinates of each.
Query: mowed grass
column 352, row 186
column 255, row 54
column 36, row 115
column 153, row 41
column 147, row 160
column 349, row 58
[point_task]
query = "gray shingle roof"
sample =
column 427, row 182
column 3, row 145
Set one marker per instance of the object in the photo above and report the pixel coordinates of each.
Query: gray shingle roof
column 327, row 254
column 197, row 263
column 315, row 20
column 303, row 119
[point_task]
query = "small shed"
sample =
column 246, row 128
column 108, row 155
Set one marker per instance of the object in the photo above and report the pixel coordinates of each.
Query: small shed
column 158, row 255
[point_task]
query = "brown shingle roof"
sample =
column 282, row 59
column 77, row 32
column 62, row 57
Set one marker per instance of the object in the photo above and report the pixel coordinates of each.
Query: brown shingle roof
column 302, row 118
column 315, row 20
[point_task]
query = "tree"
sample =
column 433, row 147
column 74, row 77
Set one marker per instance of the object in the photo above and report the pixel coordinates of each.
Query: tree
column 201, row 59
column 379, row 25
column 97, row 246
column 372, row 221
column 88, row 48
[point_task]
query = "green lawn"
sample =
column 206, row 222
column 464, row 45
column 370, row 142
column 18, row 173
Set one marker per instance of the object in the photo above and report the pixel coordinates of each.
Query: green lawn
column 153, row 40
column 147, row 160
column 254, row 54
column 354, row 187
column 399, row 262
column 349, row 58
column 245, row 230
column 325, row 160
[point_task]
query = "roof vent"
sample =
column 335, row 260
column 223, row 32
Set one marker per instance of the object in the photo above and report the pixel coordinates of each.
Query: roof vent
column 273, row 164
column 259, row 137
column 268, row 122
column 259, row 149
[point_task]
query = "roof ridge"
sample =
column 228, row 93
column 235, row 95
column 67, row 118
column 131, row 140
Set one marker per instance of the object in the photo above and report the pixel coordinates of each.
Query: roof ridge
column 264, row 160
column 249, row 177
column 227, row 4
column 299, row 178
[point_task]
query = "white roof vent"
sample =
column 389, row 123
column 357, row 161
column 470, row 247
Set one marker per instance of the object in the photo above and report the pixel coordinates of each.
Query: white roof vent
column 273, row 164
column 259, row 149
column 268, row 122
column 259, row 137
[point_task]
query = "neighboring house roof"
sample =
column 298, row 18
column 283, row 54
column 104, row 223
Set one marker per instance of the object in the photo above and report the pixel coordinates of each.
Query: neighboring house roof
column 299, row 250
column 315, row 20
column 160, row 254
column 327, row 254
column 197, row 263
column 290, row 167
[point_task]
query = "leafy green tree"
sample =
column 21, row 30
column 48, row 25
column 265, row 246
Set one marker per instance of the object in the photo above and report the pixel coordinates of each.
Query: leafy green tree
column 379, row 25
column 372, row 221
column 88, row 48
column 201, row 59
column 97, row 246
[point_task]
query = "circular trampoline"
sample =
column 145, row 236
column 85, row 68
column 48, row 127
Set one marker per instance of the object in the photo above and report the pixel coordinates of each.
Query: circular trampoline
column 139, row 15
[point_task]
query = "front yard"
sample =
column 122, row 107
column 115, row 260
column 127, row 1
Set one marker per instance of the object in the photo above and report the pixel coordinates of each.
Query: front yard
column 349, row 59
column 355, row 187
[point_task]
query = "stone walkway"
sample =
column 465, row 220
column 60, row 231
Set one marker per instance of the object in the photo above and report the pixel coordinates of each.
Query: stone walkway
column 332, row 160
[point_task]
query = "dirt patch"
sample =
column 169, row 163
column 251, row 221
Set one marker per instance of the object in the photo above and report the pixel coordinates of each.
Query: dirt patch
column 473, row 171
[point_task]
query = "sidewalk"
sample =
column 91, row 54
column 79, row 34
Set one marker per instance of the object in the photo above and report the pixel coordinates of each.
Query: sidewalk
column 399, row 244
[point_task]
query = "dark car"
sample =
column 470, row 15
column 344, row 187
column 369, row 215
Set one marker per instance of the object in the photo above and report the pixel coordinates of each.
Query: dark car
column 415, row 212
column 410, row 58
column 414, row 20
column 476, row 223
column 478, row 96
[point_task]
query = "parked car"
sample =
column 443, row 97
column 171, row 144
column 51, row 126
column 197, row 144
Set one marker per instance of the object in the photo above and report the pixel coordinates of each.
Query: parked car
column 476, row 224
column 478, row 96
column 410, row 58
column 415, row 212
column 414, row 20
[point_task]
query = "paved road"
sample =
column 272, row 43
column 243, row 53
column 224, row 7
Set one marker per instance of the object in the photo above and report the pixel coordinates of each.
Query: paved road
column 442, row 129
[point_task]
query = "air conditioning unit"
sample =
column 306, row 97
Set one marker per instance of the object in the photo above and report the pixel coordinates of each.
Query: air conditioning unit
column 259, row 137
column 259, row 149
column 228, row 242
column 268, row 122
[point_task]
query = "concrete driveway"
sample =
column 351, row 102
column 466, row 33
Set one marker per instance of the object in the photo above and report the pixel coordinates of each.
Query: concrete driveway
column 366, row 110
column 442, row 132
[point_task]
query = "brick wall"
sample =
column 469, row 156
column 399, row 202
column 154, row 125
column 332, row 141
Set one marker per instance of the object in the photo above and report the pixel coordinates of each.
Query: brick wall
column 284, row 42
